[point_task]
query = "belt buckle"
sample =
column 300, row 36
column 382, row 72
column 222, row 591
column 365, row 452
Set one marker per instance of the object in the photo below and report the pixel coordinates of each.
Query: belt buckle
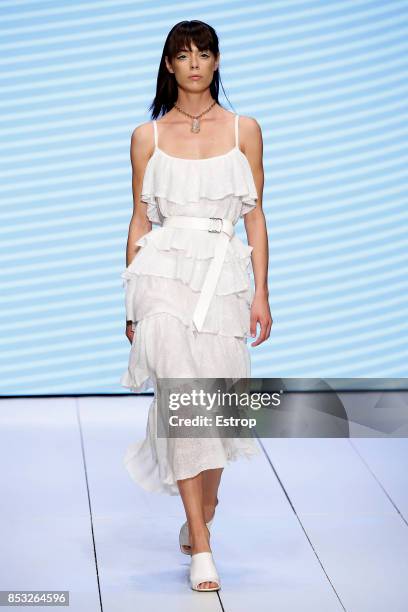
column 214, row 229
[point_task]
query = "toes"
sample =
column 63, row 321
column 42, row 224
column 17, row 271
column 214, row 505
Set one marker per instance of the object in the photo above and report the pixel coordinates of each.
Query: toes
column 204, row 586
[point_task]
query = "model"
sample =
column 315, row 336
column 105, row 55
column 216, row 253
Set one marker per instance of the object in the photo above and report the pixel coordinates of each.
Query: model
column 190, row 306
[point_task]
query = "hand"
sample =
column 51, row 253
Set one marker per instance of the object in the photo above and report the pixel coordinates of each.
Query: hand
column 129, row 331
column 260, row 313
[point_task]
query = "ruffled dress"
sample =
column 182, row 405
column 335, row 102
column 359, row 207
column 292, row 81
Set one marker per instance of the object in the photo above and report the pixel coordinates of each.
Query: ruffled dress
column 162, row 285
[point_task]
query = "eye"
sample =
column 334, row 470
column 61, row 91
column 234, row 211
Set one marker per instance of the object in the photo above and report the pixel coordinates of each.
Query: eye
column 184, row 55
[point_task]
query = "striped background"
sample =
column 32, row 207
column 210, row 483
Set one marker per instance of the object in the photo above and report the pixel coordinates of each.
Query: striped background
column 327, row 81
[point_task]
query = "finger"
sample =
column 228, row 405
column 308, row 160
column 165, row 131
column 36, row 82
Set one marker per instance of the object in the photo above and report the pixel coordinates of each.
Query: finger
column 252, row 328
column 262, row 336
column 258, row 340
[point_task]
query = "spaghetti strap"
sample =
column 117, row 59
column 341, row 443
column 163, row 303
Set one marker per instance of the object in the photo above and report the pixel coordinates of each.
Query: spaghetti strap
column 236, row 132
column 155, row 134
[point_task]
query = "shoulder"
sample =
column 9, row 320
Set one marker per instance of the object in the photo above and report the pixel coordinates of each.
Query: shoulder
column 142, row 142
column 142, row 135
column 250, row 134
column 250, row 129
column 250, row 142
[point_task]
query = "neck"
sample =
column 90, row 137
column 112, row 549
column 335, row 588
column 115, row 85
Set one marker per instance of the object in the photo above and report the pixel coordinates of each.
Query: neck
column 194, row 105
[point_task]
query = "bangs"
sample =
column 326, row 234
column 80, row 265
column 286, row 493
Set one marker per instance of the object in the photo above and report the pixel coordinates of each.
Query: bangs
column 188, row 32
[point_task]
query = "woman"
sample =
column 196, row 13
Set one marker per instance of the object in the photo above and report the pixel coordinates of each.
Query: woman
column 190, row 306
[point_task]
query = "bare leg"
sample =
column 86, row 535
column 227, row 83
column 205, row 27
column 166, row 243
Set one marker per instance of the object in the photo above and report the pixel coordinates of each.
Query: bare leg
column 211, row 483
column 194, row 499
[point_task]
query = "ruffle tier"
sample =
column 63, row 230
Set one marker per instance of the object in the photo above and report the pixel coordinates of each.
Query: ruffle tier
column 187, row 181
column 163, row 347
column 202, row 246
column 227, row 315
column 168, row 272
column 147, row 463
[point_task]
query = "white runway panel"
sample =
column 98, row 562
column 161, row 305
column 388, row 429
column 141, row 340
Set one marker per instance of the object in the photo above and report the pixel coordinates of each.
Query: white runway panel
column 45, row 530
column 387, row 459
column 140, row 564
column 262, row 553
column 357, row 533
column 314, row 524
column 260, row 550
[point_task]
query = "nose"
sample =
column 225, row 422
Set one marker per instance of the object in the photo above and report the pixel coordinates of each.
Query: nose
column 194, row 61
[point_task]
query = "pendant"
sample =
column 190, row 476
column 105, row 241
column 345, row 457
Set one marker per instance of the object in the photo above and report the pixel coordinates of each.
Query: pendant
column 195, row 126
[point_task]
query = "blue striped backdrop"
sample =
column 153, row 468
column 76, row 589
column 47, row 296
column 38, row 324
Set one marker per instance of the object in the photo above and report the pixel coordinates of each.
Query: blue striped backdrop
column 327, row 82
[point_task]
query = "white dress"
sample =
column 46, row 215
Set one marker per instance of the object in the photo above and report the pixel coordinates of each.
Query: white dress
column 162, row 285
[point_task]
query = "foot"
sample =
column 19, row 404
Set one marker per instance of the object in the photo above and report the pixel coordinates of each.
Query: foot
column 209, row 512
column 202, row 544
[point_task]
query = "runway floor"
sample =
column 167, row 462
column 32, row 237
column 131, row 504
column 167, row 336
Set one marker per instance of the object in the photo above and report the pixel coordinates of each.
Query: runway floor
column 317, row 525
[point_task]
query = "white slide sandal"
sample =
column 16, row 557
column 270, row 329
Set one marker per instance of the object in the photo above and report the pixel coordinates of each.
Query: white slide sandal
column 203, row 569
column 184, row 536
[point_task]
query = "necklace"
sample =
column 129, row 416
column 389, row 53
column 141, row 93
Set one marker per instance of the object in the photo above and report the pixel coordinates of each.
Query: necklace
column 195, row 126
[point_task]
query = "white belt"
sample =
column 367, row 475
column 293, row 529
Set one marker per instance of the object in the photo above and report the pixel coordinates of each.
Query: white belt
column 225, row 229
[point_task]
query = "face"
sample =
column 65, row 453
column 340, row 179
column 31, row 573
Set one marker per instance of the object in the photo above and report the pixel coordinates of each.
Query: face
column 187, row 64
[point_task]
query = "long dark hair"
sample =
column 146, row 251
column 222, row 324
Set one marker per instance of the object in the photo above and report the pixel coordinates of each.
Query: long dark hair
column 180, row 36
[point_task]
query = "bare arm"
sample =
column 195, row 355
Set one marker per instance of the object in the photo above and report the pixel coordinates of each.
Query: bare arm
column 256, row 229
column 140, row 152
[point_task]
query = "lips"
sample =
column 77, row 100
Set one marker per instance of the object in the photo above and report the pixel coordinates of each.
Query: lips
column 195, row 77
